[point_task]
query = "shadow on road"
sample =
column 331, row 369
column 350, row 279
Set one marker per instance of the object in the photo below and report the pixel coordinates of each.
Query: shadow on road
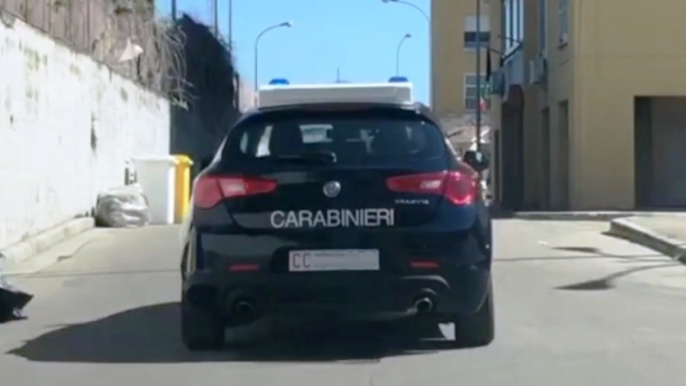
column 608, row 282
column 151, row 335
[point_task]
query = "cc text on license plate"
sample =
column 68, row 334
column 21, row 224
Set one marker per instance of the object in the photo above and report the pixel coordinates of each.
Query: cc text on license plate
column 333, row 260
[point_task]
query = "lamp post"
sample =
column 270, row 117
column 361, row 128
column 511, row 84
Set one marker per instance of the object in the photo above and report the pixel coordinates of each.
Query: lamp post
column 428, row 20
column 286, row 24
column 415, row 6
column 397, row 54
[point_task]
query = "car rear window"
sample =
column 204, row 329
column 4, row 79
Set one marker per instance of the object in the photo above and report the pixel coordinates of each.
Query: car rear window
column 354, row 138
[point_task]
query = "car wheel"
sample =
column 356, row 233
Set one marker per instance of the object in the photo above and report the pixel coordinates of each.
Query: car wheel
column 201, row 329
column 478, row 329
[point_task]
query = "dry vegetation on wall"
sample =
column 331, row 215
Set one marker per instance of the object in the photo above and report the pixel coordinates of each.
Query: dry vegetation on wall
column 105, row 28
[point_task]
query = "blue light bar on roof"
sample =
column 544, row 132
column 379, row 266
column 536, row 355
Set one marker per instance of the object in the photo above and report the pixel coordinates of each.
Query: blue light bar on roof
column 279, row 81
column 398, row 79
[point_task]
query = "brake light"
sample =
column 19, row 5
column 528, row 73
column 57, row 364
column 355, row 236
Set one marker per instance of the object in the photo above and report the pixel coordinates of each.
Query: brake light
column 424, row 264
column 211, row 190
column 244, row 267
column 458, row 187
column 337, row 107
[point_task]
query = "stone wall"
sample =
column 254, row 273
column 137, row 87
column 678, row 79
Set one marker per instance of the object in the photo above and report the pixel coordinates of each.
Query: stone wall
column 68, row 125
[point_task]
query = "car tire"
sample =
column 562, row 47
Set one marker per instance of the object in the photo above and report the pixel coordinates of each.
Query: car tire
column 477, row 329
column 201, row 329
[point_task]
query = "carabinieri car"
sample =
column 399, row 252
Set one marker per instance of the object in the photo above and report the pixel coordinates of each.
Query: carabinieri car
column 360, row 210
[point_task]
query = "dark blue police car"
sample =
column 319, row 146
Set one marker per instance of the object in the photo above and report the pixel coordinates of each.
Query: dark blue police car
column 361, row 210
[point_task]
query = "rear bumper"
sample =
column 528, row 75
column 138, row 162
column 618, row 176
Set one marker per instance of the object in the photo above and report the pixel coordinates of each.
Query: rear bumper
column 456, row 290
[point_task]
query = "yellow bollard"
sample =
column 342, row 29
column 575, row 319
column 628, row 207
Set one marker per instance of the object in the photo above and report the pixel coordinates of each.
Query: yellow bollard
column 183, row 187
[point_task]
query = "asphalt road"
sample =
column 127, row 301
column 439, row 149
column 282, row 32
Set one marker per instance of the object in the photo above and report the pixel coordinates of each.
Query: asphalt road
column 573, row 307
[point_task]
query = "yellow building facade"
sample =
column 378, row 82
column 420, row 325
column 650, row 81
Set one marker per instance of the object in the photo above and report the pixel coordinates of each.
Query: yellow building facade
column 453, row 56
column 589, row 104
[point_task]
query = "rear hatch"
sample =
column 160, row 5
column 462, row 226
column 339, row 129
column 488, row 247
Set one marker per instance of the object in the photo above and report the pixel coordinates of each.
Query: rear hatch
column 329, row 179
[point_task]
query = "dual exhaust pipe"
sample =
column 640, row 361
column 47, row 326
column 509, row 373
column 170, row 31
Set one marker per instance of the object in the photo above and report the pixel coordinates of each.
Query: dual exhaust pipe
column 244, row 312
column 424, row 305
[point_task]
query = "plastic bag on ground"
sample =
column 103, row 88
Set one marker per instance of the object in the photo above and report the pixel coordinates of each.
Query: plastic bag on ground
column 12, row 301
column 123, row 207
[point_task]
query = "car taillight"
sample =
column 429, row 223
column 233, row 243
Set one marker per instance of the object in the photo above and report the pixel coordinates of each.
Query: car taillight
column 428, row 183
column 458, row 187
column 211, row 190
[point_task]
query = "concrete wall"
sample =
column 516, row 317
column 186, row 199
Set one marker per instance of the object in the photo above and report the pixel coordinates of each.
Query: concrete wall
column 67, row 127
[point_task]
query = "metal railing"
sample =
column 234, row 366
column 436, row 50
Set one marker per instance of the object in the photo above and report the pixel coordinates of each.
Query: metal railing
column 102, row 29
column 73, row 22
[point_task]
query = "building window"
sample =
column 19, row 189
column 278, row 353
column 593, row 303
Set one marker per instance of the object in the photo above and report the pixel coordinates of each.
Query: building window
column 563, row 12
column 470, row 40
column 514, row 24
column 470, row 32
column 471, row 95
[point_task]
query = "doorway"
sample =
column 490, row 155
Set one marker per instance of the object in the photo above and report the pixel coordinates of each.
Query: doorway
column 660, row 152
column 512, row 127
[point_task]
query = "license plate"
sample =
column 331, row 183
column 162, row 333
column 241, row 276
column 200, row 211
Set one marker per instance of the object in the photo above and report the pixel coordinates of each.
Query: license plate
column 334, row 260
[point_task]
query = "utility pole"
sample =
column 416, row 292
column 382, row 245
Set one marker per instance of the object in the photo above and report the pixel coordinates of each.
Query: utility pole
column 478, row 75
column 231, row 24
column 173, row 9
column 216, row 17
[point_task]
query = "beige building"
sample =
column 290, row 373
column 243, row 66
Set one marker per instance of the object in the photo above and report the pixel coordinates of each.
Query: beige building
column 589, row 110
column 454, row 93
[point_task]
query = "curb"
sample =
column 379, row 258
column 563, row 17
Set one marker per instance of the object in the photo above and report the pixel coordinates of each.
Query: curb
column 571, row 216
column 629, row 230
column 25, row 250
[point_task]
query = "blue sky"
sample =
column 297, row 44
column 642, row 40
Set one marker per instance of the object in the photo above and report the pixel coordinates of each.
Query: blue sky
column 358, row 36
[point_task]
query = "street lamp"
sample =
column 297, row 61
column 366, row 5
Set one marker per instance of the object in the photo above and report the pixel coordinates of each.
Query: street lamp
column 397, row 54
column 415, row 6
column 287, row 24
column 428, row 20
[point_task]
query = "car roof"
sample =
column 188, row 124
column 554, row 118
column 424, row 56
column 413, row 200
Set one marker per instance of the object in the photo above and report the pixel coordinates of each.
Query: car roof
column 417, row 107
column 277, row 95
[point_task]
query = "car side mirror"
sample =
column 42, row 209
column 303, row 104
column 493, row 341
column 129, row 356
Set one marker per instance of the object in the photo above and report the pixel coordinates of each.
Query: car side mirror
column 477, row 160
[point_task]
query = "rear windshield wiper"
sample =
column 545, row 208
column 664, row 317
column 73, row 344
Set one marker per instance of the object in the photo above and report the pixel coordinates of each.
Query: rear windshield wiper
column 325, row 157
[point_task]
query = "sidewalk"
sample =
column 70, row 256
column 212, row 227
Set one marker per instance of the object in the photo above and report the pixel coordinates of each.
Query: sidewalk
column 665, row 233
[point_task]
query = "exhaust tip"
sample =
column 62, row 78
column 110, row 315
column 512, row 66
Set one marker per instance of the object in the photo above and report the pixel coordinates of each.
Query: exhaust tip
column 245, row 311
column 424, row 305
